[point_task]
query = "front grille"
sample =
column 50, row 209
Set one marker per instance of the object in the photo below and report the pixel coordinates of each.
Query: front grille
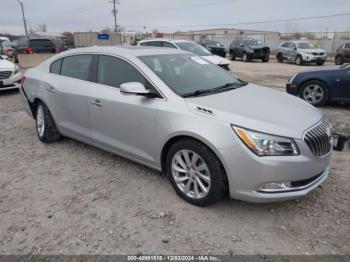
column 314, row 53
column 318, row 139
column 5, row 74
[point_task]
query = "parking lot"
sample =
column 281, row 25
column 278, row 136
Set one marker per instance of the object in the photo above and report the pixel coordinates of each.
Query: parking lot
column 70, row 198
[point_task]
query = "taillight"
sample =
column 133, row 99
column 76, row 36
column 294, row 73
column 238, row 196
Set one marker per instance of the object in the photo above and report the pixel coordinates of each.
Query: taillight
column 22, row 81
column 30, row 50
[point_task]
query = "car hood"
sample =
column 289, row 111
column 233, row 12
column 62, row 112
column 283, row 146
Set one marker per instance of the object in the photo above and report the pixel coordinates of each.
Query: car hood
column 260, row 108
column 217, row 60
column 322, row 69
column 5, row 64
column 318, row 50
column 257, row 47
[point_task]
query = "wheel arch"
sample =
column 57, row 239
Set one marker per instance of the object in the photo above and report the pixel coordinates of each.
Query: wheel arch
column 177, row 137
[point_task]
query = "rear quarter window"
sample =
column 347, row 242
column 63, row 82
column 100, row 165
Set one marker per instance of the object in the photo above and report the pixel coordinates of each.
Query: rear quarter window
column 55, row 67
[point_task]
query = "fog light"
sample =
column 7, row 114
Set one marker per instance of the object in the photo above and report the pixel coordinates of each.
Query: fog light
column 273, row 187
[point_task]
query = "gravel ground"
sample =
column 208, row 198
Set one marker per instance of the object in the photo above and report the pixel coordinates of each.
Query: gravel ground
column 70, row 198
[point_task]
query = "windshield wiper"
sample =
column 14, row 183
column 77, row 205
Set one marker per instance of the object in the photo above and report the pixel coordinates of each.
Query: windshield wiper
column 225, row 87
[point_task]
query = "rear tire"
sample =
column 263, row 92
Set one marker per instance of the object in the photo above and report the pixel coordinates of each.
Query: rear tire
column 339, row 60
column 202, row 164
column 279, row 58
column 45, row 126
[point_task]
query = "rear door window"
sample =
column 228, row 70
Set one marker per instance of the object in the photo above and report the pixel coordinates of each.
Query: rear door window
column 55, row 67
column 285, row 45
column 347, row 45
column 76, row 66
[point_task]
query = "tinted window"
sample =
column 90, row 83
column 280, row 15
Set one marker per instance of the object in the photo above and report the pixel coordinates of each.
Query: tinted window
column 55, row 67
column 155, row 43
column 23, row 42
column 292, row 46
column 41, row 43
column 169, row 45
column 76, row 66
column 144, row 44
column 347, row 45
column 113, row 71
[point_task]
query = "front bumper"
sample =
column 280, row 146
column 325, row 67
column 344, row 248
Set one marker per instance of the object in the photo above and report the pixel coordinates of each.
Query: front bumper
column 313, row 59
column 292, row 88
column 247, row 173
column 11, row 83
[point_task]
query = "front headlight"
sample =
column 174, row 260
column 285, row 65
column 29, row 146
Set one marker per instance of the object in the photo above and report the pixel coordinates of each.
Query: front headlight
column 266, row 145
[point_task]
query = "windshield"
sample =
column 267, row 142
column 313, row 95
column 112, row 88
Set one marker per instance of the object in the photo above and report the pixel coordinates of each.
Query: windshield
column 305, row 45
column 186, row 74
column 252, row 42
column 193, row 47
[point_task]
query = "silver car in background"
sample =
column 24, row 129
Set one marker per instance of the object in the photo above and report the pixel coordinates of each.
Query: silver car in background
column 300, row 52
column 209, row 132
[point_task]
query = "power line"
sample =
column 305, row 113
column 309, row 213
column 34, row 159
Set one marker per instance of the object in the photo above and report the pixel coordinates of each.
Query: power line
column 179, row 8
column 253, row 23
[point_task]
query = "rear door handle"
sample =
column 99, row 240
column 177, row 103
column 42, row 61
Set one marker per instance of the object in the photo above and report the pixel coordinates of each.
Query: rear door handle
column 97, row 103
column 51, row 89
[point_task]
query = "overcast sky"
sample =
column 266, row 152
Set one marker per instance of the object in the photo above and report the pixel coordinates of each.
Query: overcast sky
column 168, row 16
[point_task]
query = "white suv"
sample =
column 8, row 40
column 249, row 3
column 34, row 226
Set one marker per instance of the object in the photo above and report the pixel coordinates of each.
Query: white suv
column 300, row 52
column 189, row 46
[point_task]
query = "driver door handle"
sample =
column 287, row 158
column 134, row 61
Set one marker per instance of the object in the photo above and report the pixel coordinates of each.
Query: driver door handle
column 96, row 102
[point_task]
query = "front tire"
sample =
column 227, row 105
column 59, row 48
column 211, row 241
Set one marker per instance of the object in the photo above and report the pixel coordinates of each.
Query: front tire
column 299, row 60
column 232, row 56
column 45, row 126
column 195, row 172
column 245, row 57
column 266, row 58
column 314, row 92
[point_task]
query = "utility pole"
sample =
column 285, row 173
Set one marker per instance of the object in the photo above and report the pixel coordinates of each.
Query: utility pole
column 24, row 19
column 115, row 12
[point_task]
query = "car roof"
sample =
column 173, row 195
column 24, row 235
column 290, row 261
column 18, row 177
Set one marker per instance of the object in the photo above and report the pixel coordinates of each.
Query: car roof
column 166, row 40
column 128, row 51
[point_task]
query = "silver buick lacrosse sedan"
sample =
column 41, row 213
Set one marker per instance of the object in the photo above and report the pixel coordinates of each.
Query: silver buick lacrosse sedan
column 211, row 133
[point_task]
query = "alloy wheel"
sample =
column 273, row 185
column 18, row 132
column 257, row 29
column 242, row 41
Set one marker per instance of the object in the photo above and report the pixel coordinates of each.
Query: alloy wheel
column 313, row 94
column 40, row 121
column 191, row 174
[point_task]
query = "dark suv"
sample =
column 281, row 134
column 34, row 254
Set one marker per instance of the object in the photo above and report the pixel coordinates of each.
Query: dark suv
column 215, row 47
column 30, row 46
column 249, row 49
column 343, row 54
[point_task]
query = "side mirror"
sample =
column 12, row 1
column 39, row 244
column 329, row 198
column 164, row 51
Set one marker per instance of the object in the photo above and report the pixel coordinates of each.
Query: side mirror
column 295, row 48
column 242, row 45
column 133, row 88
